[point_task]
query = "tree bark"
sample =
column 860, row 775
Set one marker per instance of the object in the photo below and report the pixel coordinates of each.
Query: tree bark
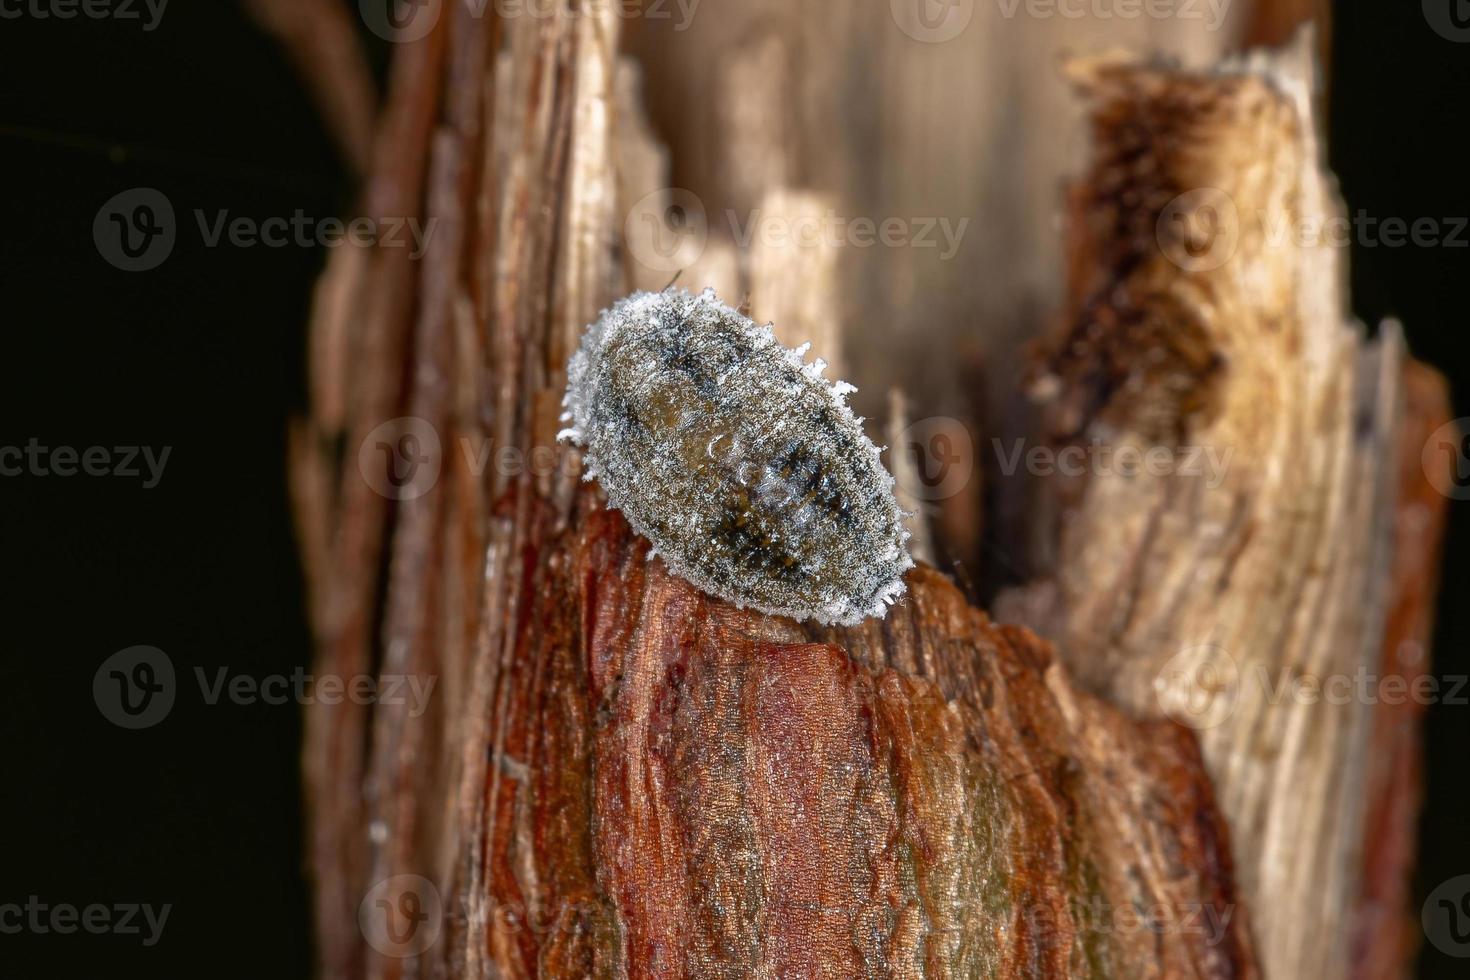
column 619, row 776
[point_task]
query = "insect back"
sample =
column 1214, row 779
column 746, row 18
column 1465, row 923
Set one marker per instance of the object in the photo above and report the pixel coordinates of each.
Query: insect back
column 743, row 466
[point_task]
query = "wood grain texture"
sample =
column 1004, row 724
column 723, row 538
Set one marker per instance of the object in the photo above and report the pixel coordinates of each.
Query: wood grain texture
column 684, row 789
column 1386, row 932
column 616, row 775
column 1244, row 586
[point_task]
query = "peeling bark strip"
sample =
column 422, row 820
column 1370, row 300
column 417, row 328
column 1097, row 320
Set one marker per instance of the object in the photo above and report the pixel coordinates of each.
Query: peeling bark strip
column 701, row 791
column 1387, row 930
column 1207, row 309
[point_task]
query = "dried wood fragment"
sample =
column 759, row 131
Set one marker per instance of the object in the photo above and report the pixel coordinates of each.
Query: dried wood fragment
column 1208, row 330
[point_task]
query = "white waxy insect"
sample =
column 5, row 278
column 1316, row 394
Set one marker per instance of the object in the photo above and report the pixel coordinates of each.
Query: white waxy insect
column 743, row 466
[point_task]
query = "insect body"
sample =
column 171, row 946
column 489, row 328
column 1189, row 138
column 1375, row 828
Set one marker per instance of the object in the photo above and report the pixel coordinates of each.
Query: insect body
column 743, row 466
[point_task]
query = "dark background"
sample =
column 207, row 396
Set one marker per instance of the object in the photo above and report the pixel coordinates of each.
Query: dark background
column 204, row 354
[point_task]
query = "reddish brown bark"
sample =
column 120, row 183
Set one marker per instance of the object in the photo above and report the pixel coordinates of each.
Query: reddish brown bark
column 687, row 789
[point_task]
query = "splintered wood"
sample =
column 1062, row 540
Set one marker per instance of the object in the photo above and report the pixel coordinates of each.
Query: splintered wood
column 1241, row 586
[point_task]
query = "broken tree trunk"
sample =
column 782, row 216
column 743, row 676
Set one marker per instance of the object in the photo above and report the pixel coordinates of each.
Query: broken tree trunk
column 619, row 776
column 1237, row 574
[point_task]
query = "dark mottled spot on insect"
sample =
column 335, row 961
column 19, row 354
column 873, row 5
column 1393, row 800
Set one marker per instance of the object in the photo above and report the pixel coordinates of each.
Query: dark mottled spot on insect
column 676, row 356
column 743, row 538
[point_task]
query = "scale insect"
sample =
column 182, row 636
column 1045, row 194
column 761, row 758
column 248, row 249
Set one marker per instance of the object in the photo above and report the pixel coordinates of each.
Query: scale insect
column 741, row 464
